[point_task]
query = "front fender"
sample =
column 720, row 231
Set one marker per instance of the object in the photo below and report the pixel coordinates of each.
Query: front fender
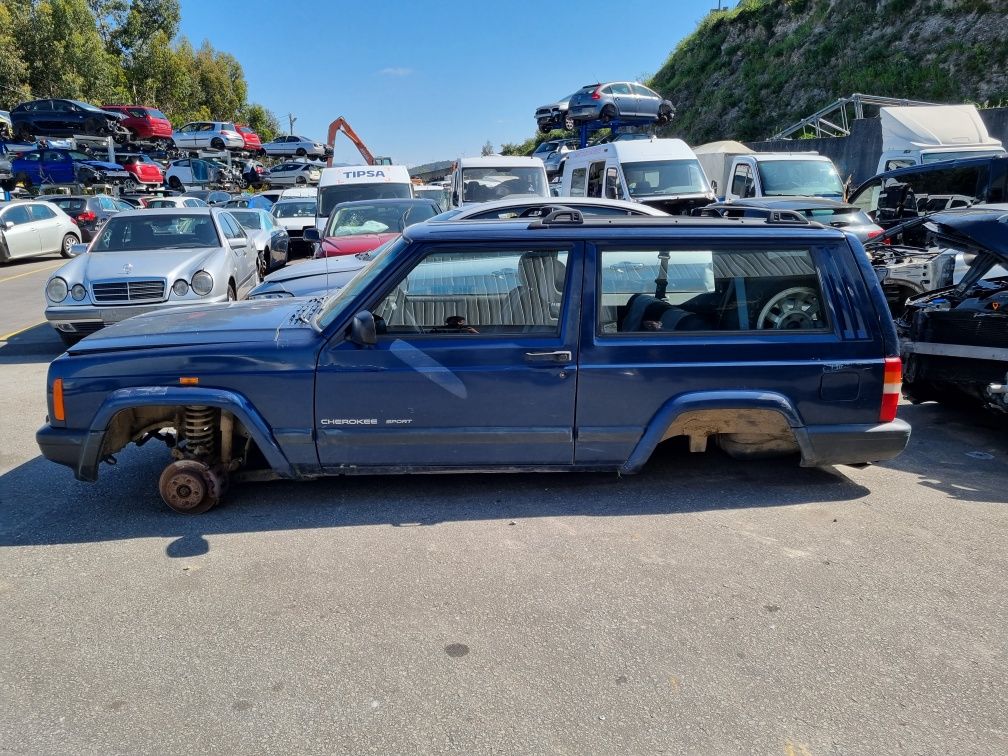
column 713, row 400
column 140, row 396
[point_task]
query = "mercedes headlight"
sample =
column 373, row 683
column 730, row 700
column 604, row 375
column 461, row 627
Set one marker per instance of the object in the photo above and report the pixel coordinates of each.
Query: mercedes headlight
column 180, row 288
column 202, row 283
column 56, row 289
column 78, row 292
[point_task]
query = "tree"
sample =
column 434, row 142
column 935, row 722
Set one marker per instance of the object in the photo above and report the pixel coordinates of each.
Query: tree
column 261, row 121
column 487, row 149
column 13, row 69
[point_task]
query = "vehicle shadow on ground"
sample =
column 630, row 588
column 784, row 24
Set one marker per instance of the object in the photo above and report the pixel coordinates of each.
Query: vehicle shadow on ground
column 41, row 503
column 960, row 451
column 37, row 344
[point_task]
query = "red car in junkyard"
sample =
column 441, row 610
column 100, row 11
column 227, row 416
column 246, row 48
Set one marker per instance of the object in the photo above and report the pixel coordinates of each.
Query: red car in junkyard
column 143, row 170
column 253, row 143
column 145, row 123
column 364, row 225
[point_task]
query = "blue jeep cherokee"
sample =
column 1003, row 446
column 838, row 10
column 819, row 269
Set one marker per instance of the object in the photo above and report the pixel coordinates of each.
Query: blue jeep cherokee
column 563, row 344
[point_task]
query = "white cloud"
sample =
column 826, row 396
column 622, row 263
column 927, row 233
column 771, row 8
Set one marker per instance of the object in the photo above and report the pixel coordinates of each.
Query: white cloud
column 396, row 71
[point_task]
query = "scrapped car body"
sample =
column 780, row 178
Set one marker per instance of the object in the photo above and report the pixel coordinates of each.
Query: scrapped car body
column 35, row 228
column 65, row 118
column 147, row 260
column 819, row 209
column 270, row 240
column 554, row 116
column 494, row 177
column 540, row 207
column 618, row 100
column 313, row 278
column 955, row 339
column 560, row 344
column 58, row 166
column 88, row 213
column 144, row 124
column 355, row 227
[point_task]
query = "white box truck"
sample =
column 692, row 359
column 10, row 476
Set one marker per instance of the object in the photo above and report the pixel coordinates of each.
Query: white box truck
column 931, row 133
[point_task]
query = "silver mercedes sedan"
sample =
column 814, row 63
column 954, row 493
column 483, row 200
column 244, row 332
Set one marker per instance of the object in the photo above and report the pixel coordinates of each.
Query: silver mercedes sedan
column 146, row 260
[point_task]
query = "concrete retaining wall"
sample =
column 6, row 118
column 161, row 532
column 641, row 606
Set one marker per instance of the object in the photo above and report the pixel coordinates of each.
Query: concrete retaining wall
column 857, row 155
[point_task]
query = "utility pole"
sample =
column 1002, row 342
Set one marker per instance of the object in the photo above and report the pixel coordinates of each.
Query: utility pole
column 292, row 118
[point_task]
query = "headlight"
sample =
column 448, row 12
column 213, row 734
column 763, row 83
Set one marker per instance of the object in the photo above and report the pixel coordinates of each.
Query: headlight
column 202, row 283
column 56, row 289
column 78, row 292
column 180, row 288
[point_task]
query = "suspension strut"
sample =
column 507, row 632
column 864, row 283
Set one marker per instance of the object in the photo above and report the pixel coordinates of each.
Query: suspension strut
column 200, row 425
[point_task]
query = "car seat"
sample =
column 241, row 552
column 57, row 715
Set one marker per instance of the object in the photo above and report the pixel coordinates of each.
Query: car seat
column 537, row 298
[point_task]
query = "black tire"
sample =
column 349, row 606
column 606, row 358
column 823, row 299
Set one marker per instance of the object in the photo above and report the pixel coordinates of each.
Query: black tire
column 232, row 295
column 174, row 182
column 133, row 185
column 91, row 127
column 24, row 133
column 608, row 113
column 301, row 152
column 69, row 339
column 263, row 262
column 665, row 114
column 68, row 241
column 545, row 127
column 300, row 180
column 217, row 143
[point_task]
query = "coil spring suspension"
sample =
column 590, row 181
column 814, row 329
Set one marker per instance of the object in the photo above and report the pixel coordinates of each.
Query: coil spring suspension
column 200, row 425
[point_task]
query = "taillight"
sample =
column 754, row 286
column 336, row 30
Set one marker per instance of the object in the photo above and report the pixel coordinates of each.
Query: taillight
column 892, row 378
column 597, row 94
column 87, row 215
column 875, row 234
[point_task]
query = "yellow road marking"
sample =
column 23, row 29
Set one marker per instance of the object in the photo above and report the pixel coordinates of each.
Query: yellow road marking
column 12, row 334
column 30, row 272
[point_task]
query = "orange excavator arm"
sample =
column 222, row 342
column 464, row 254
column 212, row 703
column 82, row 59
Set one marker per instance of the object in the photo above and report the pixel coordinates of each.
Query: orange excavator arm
column 340, row 124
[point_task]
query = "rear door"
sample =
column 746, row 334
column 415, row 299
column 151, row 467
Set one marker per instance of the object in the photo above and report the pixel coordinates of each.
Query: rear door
column 47, row 226
column 673, row 317
column 475, row 365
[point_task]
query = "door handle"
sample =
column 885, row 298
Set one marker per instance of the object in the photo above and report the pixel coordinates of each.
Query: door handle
column 549, row 358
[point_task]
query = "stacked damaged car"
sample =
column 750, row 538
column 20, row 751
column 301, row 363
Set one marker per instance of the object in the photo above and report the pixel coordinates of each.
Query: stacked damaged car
column 954, row 338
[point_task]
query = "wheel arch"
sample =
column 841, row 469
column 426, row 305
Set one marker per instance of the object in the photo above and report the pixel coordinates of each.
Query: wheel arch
column 705, row 415
column 94, row 448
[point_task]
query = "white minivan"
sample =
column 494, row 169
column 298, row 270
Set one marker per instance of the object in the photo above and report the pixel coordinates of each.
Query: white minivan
column 494, row 177
column 662, row 173
column 349, row 183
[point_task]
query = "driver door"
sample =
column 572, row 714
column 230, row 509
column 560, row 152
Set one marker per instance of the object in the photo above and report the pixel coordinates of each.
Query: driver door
column 475, row 365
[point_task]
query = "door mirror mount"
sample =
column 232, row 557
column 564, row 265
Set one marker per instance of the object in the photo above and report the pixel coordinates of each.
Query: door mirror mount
column 76, row 250
column 362, row 329
column 8, row 225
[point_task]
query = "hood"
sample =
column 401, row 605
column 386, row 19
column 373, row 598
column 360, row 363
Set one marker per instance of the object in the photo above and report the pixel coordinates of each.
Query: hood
column 280, row 321
column 313, row 278
column 102, row 165
column 679, row 204
column 352, row 245
column 310, row 268
column 169, row 264
column 983, row 228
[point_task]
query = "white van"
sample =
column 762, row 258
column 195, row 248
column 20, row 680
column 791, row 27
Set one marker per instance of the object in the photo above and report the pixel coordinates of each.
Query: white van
column 483, row 179
column 783, row 174
column 661, row 173
column 921, row 134
column 349, row 183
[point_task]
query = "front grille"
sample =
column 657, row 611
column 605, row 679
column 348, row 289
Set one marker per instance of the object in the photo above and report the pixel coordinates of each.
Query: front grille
column 128, row 291
column 972, row 328
column 294, row 232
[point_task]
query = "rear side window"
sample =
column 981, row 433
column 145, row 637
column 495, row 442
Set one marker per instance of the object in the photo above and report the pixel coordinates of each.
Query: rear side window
column 683, row 290
column 595, row 179
column 41, row 212
column 577, row 187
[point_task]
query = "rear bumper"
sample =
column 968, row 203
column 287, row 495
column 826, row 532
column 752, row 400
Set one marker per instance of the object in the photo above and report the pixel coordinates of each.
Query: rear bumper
column 853, row 444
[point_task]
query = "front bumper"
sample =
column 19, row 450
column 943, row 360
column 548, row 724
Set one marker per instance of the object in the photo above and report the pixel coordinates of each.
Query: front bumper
column 89, row 318
column 853, row 444
column 65, row 447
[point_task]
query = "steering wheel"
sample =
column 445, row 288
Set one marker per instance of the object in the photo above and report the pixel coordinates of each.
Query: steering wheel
column 797, row 308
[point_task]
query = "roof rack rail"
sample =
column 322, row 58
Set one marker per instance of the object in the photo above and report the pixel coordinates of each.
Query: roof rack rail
column 561, row 216
column 740, row 210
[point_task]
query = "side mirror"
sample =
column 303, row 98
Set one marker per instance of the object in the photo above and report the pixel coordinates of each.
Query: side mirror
column 8, row 225
column 362, row 329
column 237, row 242
column 312, row 235
column 78, row 249
column 713, row 186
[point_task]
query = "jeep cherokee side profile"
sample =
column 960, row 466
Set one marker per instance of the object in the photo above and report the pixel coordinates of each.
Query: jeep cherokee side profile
column 561, row 344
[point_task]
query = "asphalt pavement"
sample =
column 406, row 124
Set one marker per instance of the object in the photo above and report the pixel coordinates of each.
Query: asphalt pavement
column 703, row 606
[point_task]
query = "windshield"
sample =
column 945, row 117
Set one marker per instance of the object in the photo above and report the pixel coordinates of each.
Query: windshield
column 330, row 196
column 937, row 157
column 294, row 210
column 379, row 218
column 799, row 178
column 497, row 182
column 248, row 219
column 381, row 259
column 663, row 177
column 152, row 232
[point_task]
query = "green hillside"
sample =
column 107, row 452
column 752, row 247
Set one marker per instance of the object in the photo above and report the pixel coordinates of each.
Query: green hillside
column 749, row 71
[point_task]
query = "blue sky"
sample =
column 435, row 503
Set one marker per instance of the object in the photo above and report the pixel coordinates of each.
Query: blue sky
column 424, row 81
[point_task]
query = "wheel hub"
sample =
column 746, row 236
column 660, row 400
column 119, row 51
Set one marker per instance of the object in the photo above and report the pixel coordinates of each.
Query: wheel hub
column 190, row 487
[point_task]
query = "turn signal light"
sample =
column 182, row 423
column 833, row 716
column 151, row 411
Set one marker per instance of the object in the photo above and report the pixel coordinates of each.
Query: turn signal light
column 57, row 400
column 188, row 381
column 891, row 382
